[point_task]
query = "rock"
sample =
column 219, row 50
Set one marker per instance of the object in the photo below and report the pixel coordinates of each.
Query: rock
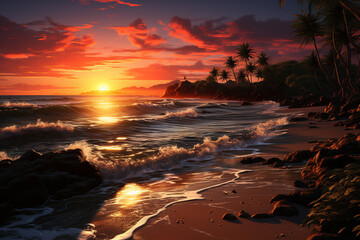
column 233, row 191
column 6, row 163
column 262, row 215
column 338, row 161
column 285, row 210
column 243, row 214
column 300, row 184
column 323, row 236
column 34, row 178
column 27, row 191
column 272, row 161
column 304, row 197
column 298, row 119
column 251, row 160
column 278, row 164
column 30, row 155
column 229, row 217
column 298, row 156
column 279, row 197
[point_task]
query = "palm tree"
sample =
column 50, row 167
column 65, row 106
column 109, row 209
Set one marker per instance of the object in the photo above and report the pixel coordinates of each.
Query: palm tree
column 241, row 76
column 245, row 52
column 311, row 64
column 250, row 69
column 224, row 75
column 350, row 6
column 307, row 28
column 215, row 73
column 263, row 60
column 231, row 63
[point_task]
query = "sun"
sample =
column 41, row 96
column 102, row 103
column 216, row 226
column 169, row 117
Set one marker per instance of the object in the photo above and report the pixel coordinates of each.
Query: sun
column 103, row 87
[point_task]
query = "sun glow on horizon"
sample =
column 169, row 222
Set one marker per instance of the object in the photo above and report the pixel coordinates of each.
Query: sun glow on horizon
column 104, row 87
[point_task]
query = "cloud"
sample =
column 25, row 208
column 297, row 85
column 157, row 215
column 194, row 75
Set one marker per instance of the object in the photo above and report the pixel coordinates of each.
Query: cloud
column 139, row 35
column 45, row 48
column 221, row 35
column 158, row 71
column 112, row 1
column 31, row 87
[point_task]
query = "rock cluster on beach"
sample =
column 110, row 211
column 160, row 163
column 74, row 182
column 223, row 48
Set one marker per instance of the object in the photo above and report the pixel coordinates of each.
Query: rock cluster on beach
column 330, row 180
column 34, row 178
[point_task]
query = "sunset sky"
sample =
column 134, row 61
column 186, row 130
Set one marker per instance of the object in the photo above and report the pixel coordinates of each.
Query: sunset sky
column 73, row 46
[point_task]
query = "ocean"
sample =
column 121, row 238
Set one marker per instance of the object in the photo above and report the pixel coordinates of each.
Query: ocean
column 152, row 153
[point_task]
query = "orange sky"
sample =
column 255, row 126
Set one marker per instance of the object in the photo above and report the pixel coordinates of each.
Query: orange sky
column 74, row 46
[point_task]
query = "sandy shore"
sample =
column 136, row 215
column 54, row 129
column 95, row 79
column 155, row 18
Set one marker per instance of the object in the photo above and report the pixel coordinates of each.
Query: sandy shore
column 201, row 219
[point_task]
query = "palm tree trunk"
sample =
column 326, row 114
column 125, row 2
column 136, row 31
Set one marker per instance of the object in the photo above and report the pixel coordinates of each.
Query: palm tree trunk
column 351, row 7
column 320, row 65
column 234, row 74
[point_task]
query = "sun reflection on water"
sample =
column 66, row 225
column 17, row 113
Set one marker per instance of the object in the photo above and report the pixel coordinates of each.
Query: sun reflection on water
column 130, row 194
column 108, row 119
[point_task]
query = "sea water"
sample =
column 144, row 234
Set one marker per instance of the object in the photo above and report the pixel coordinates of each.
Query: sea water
column 152, row 153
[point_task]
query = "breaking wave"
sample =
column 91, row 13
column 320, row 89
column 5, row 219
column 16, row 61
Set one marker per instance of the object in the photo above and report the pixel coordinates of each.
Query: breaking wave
column 36, row 127
column 18, row 105
column 172, row 156
column 182, row 114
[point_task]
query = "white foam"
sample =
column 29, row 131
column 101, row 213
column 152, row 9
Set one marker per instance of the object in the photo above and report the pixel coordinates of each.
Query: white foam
column 3, row 155
column 186, row 196
column 18, row 105
column 182, row 114
column 172, row 156
column 38, row 126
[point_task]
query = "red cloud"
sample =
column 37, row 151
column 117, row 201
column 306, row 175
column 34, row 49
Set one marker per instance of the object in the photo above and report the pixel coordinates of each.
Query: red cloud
column 45, row 48
column 220, row 36
column 139, row 35
column 112, row 1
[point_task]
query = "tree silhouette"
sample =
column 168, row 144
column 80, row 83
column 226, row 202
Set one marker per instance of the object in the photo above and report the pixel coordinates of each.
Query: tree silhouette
column 231, row 63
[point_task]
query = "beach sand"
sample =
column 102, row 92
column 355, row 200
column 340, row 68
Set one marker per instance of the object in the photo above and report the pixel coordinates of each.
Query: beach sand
column 201, row 219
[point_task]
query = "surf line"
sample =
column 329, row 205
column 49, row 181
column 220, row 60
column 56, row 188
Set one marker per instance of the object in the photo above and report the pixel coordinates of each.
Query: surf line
column 189, row 196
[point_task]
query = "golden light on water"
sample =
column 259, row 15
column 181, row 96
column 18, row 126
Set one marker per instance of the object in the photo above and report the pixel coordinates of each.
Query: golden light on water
column 111, row 148
column 108, row 119
column 130, row 194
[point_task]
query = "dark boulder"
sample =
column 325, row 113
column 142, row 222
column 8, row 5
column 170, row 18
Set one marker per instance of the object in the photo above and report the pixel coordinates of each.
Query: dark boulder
column 298, row 156
column 298, row 119
column 338, row 161
column 251, row 160
column 243, row 214
column 30, row 155
column 285, row 210
column 271, row 161
column 300, row 184
column 229, row 217
column 34, row 178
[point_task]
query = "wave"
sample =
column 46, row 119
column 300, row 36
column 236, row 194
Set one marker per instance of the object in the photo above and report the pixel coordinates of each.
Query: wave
column 39, row 126
column 191, row 113
column 18, row 105
column 3, row 156
column 168, row 157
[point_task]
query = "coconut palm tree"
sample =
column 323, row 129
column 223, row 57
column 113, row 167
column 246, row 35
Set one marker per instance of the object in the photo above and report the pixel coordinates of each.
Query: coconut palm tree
column 350, row 6
column 224, row 75
column 215, row 73
column 250, row 69
column 245, row 52
column 263, row 60
column 241, row 76
column 307, row 28
column 231, row 63
column 311, row 64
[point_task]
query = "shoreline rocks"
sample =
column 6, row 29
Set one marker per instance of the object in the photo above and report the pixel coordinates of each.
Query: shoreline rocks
column 34, row 178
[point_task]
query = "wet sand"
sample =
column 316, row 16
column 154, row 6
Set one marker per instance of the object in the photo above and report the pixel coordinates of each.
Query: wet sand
column 201, row 219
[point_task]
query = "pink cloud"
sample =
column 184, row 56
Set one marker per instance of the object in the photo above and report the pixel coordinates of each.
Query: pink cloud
column 139, row 35
column 112, row 1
